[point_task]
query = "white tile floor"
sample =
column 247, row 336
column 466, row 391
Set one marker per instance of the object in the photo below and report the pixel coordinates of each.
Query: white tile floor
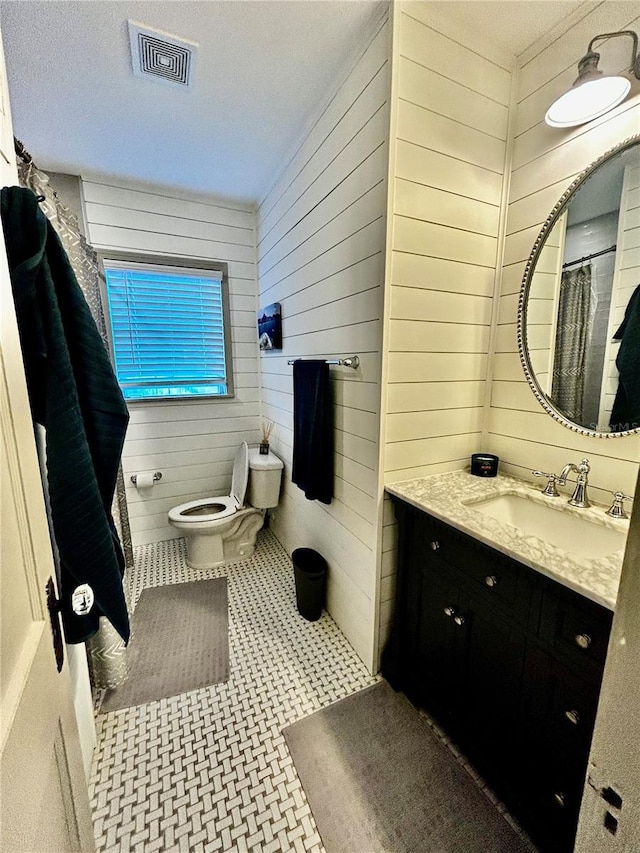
column 209, row 770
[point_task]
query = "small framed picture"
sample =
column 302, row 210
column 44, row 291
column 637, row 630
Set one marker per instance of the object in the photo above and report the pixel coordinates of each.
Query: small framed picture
column 270, row 327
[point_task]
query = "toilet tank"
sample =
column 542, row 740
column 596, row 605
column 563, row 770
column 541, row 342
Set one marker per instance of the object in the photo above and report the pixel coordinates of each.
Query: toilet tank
column 265, row 473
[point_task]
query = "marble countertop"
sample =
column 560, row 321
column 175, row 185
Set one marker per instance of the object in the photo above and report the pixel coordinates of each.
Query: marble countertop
column 450, row 498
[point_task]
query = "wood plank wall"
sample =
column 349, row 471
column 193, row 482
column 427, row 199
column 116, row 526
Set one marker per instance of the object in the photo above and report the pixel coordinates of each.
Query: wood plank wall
column 192, row 443
column 448, row 161
column 545, row 161
column 320, row 254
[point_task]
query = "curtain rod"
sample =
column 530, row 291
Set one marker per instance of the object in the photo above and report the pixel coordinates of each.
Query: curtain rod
column 353, row 361
column 589, row 257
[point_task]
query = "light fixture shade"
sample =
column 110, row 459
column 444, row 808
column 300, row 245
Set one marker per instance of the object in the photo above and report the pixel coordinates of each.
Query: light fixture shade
column 587, row 101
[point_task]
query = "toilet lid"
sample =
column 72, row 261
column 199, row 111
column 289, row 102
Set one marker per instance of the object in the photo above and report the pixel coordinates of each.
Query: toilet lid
column 240, row 474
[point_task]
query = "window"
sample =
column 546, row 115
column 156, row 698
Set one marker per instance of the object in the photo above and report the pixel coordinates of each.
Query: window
column 169, row 328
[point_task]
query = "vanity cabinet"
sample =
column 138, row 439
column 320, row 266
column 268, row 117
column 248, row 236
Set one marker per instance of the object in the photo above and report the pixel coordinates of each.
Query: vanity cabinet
column 507, row 661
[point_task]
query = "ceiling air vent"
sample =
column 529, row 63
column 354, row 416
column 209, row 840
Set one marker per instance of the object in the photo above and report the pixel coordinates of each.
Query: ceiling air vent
column 160, row 55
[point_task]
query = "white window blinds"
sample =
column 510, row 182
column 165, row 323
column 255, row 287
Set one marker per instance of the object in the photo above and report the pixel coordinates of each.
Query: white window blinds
column 167, row 330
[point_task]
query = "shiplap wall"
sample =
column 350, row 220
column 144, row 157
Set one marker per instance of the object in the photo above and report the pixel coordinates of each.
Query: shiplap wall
column 192, row 443
column 545, row 161
column 448, row 161
column 320, row 254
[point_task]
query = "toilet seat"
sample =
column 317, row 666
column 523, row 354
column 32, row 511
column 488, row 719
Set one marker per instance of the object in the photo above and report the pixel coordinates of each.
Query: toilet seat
column 189, row 513
column 195, row 512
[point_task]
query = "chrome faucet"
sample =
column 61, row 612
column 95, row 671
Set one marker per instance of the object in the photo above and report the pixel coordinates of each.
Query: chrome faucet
column 579, row 496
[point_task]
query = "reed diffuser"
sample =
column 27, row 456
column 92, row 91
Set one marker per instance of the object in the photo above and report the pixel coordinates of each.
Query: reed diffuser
column 267, row 427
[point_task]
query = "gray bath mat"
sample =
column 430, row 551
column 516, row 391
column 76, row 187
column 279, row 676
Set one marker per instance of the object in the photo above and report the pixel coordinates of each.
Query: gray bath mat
column 378, row 779
column 180, row 642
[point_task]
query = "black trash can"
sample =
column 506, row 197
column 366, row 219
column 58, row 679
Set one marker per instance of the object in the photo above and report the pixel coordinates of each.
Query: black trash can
column 310, row 572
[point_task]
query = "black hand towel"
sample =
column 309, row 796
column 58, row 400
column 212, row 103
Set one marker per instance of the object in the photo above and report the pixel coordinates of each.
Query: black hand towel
column 74, row 394
column 313, row 430
column 626, row 407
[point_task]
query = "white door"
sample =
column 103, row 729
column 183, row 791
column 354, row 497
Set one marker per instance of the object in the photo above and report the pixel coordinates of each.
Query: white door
column 43, row 796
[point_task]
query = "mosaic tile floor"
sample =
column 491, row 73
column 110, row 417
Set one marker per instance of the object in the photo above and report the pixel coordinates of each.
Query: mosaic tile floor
column 209, row 770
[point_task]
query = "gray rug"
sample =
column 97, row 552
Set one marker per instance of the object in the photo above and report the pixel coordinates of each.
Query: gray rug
column 180, row 642
column 377, row 779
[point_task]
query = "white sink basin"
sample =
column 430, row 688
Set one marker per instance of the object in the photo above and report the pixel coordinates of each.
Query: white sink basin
column 581, row 537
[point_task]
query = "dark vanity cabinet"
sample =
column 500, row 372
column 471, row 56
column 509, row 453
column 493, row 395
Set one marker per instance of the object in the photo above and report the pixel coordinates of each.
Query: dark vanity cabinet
column 507, row 661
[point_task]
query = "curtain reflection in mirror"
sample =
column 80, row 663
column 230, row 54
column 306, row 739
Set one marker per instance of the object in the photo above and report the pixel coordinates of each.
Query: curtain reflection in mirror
column 595, row 236
column 572, row 333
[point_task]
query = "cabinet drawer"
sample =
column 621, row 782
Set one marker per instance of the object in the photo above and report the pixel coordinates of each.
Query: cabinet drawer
column 500, row 581
column 559, row 709
column 553, row 797
column 573, row 711
column 556, row 806
column 575, row 626
column 486, row 573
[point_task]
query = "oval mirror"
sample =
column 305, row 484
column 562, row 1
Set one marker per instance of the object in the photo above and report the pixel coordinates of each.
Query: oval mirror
column 579, row 310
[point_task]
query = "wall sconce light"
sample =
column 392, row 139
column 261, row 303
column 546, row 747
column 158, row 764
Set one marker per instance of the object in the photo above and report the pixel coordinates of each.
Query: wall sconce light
column 593, row 93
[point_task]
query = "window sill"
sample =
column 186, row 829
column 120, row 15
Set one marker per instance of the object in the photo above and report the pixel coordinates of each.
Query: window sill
column 168, row 401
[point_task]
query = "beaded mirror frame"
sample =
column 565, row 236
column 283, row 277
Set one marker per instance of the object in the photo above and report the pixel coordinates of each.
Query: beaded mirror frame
column 525, row 288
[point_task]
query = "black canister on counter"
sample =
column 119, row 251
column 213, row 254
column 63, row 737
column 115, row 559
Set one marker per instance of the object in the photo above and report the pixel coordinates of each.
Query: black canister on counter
column 484, row 464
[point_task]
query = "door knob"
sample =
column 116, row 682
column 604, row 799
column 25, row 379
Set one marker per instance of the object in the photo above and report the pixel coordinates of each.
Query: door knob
column 583, row 640
column 491, row 580
column 459, row 620
column 559, row 799
column 449, row 611
column 434, row 545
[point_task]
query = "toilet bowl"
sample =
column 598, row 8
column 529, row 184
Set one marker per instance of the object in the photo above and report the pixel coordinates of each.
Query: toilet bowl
column 222, row 530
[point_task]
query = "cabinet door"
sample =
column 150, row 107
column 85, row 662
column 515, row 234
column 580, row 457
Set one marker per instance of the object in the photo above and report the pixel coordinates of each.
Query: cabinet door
column 441, row 638
column 492, row 680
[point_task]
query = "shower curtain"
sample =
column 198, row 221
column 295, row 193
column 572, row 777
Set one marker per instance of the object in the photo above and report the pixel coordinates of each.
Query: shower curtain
column 567, row 390
column 106, row 652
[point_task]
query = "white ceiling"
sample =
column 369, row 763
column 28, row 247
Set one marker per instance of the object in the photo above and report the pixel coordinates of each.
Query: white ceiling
column 512, row 24
column 262, row 68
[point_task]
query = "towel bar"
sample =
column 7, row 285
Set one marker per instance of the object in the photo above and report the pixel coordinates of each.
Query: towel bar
column 353, row 361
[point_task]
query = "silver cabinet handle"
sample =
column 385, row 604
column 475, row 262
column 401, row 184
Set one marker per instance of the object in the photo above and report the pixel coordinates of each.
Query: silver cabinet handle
column 559, row 799
column 459, row 620
column 491, row 581
column 449, row 611
column 434, row 545
column 573, row 716
column 583, row 640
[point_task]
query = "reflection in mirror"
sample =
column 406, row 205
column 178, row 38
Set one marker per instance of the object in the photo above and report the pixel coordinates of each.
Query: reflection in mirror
column 580, row 313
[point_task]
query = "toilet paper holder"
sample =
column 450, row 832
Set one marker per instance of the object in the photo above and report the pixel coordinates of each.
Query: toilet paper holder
column 157, row 476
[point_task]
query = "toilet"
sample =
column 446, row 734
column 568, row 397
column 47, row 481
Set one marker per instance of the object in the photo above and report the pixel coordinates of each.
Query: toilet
column 223, row 530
